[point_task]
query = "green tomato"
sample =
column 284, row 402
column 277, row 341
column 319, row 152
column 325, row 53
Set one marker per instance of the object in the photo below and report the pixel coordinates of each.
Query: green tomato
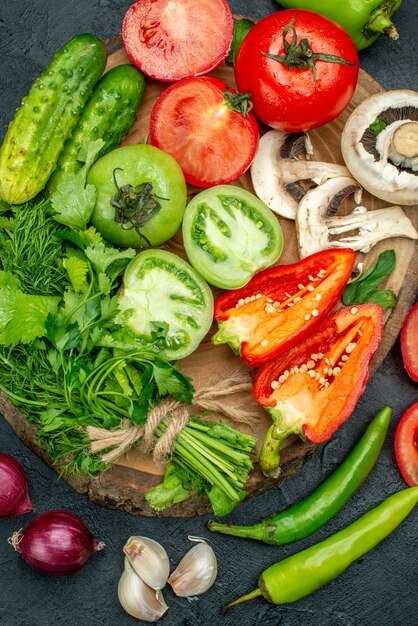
column 229, row 235
column 141, row 196
column 163, row 295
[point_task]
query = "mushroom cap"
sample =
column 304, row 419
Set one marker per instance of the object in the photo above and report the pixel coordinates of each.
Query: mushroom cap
column 274, row 178
column 374, row 170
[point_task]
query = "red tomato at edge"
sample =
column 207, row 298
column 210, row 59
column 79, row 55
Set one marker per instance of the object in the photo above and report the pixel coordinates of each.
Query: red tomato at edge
column 171, row 39
column 212, row 143
column 406, row 445
column 288, row 99
column 409, row 342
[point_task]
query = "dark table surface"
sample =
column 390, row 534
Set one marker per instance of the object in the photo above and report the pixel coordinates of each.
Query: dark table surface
column 379, row 589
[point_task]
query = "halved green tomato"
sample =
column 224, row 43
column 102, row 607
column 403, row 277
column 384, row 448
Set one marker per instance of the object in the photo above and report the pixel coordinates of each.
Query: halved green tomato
column 229, row 234
column 163, row 296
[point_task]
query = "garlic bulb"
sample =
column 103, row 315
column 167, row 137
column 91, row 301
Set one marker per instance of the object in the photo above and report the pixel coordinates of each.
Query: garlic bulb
column 196, row 572
column 149, row 560
column 137, row 598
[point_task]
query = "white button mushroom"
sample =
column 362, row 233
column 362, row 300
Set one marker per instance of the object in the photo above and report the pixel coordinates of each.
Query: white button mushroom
column 380, row 145
column 318, row 226
column 276, row 171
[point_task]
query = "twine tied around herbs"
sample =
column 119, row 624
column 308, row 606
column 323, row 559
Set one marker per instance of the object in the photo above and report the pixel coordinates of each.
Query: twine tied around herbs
column 211, row 398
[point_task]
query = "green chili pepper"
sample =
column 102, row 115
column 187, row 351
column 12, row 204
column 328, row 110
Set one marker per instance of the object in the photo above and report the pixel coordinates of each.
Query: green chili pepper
column 364, row 20
column 305, row 572
column 309, row 515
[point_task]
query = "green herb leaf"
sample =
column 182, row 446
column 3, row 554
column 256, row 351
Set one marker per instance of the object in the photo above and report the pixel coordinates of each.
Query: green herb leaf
column 77, row 270
column 74, row 201
column 88, row 154
column 241, row 29
column 377, row 126
column 221, row 503
column 170, row 380
column 29, row 318
column 9, row 288
column 364, row 289
column 385, row 297
column 102, row 256
column 169, row 492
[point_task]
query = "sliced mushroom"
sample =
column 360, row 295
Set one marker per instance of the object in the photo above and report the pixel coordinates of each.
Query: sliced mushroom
column 276, row 172
column 317, row 222
column 380, row 145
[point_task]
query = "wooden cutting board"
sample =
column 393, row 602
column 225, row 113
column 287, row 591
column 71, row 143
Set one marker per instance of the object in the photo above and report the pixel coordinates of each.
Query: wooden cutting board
column 124, row 485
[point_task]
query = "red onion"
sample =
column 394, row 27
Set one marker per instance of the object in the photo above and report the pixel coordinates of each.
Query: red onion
column 56, row 543
column 14, row 496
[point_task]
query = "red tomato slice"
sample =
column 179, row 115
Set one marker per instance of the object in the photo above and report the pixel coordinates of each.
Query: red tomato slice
column 194, row 122
column 409, row 342
column 172, row 39
column 406, row 445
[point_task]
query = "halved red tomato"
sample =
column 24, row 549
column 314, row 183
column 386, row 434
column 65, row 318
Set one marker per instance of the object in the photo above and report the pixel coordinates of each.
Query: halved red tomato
column 172, row 39
column 406, row 445
column 409, row 342
column 207, row 127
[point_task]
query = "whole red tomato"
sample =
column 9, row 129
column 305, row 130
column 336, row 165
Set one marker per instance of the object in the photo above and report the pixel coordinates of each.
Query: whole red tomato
column 300, row 68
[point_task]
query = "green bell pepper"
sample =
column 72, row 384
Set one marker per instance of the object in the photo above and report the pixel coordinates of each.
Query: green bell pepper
column 364, row 20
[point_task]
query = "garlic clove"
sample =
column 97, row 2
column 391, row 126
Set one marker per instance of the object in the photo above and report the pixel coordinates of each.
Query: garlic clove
column 196, row 572
column 137, row 599
column 149, row 560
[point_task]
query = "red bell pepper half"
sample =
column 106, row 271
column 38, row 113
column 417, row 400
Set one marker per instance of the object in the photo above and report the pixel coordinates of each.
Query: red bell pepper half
column 281, row 305
column 311, row 389
column 409, row 342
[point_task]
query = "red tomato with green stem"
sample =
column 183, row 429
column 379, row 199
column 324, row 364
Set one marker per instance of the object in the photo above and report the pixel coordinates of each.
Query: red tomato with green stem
column 171, row 39
column 300, row 68
column 208, row 128
column 406, row 445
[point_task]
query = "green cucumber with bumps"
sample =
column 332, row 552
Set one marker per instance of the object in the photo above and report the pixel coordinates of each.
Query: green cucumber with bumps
column 48, row 116
column 108, row 115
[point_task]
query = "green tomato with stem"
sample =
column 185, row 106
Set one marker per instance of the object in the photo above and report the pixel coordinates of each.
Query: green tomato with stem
column 141, row 196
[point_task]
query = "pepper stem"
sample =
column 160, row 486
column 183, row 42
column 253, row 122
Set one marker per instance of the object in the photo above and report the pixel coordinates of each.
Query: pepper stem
column 248, row 532
column 269, row 458
column 249, row 596
column 380, row 22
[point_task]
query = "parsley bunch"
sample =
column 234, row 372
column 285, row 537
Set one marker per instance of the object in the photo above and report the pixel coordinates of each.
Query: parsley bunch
column 68, row 365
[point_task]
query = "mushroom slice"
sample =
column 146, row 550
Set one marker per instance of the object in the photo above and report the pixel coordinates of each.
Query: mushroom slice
column 276, row 172
column 317, row 222
column 380, row 145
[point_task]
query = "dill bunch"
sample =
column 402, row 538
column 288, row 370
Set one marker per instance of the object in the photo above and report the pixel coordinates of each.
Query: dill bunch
column 30, row 249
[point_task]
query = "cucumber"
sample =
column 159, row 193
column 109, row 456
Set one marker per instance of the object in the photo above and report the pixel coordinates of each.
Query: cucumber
column 47, row 117
column 108, row 115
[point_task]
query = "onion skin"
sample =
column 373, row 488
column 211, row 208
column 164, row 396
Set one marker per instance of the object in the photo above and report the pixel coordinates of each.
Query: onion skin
column 56, row 543
column 14, row 494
